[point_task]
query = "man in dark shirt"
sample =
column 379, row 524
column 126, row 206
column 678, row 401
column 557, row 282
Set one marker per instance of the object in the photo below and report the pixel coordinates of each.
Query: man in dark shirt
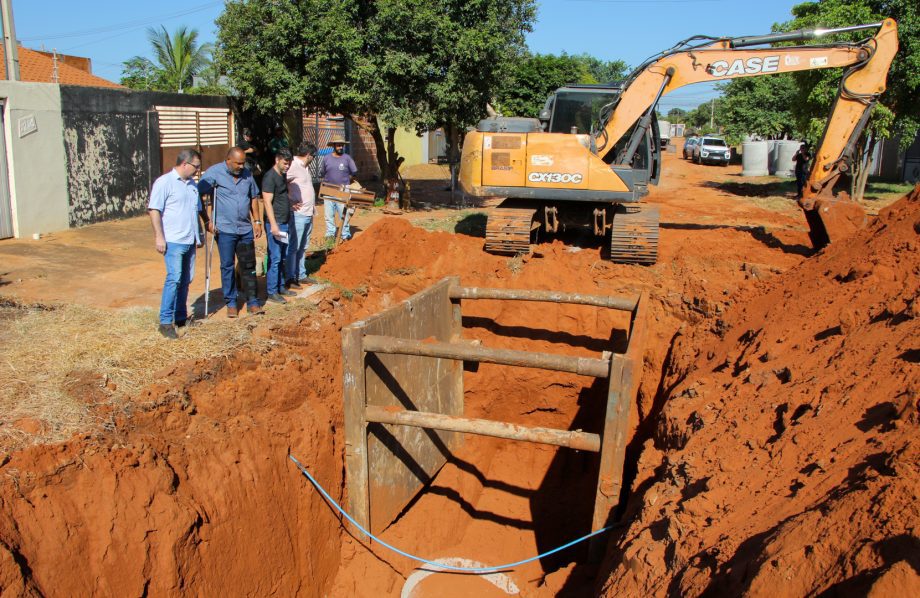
column 278, row 212
column 252, row 153
column 337, row 168
column 236, row 224
column 802, row 158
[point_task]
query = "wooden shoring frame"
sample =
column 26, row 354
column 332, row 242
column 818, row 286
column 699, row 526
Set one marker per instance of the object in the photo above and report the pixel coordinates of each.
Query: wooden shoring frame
column 403, row 393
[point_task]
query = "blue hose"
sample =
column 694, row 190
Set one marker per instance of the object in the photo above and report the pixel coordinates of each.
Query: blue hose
column 426, row 561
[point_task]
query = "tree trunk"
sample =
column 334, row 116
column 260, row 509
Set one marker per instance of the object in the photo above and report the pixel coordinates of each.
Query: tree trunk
column 865, row 164
column 453, row 153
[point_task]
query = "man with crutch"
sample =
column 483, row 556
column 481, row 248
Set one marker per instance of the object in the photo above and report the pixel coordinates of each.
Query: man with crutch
column 236, row 224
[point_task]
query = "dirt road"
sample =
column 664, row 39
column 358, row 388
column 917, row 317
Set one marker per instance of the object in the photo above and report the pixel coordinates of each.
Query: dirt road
column 187, row 488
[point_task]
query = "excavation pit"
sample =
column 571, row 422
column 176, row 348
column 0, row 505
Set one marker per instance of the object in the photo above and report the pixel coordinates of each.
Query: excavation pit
column 404, row 396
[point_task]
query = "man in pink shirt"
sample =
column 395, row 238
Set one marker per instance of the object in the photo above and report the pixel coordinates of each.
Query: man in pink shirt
column 303, row 202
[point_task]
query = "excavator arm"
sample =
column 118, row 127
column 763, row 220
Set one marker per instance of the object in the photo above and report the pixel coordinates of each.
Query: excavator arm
column 867, row 64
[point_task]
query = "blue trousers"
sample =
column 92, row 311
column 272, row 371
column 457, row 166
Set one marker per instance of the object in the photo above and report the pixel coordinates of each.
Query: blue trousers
column 241, row 246
column 297, row 247
column 330, row 209
column 277, row 251
column 178, row 258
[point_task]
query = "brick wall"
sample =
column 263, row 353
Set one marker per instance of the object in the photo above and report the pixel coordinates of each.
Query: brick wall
column 361, row 146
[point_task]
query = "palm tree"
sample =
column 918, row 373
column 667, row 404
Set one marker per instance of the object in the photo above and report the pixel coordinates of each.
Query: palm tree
column 179, row 56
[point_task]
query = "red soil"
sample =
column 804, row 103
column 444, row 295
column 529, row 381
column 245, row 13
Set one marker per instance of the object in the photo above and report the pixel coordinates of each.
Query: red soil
column 193, row 493
column 786, row 456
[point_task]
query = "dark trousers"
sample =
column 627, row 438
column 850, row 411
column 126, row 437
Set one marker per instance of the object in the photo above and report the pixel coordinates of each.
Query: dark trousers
column 243, row 249
column 800, row 178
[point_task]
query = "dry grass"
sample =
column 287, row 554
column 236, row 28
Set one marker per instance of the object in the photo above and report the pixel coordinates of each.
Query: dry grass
column 57, row 364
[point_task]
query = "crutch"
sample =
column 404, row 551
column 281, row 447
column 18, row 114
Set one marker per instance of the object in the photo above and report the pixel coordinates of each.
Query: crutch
column 208, row 257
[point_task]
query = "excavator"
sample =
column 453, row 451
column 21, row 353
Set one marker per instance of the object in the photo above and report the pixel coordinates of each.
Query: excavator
column 587, row 161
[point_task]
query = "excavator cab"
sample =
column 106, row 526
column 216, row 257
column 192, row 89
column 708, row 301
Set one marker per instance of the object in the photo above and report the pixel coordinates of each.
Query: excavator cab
column 578, row 110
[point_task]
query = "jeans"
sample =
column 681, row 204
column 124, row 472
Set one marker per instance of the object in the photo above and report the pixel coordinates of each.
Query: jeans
column 297, row 247
column 277, row 250
column 230, row 246
column 330, row 209
column 178, row 258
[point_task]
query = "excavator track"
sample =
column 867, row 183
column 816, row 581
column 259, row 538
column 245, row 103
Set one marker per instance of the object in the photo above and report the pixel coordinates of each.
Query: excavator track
column 634, row 234
column 508, row 230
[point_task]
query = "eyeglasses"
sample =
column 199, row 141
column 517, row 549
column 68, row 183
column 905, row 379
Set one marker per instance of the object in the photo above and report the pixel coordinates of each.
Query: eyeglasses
column 195, row 166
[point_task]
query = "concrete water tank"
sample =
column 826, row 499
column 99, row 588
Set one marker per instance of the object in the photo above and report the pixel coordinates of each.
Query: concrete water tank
column 785, row 150
column 754, row 158
column 771, row 155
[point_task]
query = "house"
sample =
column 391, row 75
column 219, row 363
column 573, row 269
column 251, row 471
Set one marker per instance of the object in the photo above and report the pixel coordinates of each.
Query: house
column 83, row 149
column 38, row 66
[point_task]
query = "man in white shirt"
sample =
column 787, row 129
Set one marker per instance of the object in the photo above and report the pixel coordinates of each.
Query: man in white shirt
column 174, row 209
column 303, row 202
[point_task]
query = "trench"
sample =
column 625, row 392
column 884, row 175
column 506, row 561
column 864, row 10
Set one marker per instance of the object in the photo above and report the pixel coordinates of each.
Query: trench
column 498, row 501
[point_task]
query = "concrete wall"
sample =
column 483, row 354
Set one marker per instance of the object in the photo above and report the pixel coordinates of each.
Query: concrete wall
column 37, row 164
column 411, row 147
column 112, row 143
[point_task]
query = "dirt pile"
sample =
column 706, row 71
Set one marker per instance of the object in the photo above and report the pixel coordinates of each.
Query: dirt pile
column 787, row 453
column 191, row 492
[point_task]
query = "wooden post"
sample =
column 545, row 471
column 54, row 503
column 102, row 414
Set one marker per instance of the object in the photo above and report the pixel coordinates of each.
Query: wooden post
column 355, row 424
column 620, row 303
column 483, row 427
column 585, row 366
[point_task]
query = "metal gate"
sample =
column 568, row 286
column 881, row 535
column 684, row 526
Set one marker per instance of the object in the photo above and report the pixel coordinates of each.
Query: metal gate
column 6, row 206
column 320, row 136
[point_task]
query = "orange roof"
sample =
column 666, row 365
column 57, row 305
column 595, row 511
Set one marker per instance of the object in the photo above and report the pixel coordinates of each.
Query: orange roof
column 37, row 67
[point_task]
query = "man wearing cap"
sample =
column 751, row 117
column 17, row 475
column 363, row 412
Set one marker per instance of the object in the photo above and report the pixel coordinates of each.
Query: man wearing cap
column 337, row 168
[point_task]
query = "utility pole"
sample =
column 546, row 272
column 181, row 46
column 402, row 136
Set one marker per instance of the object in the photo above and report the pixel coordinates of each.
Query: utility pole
column 10, row 49
column 712, row 113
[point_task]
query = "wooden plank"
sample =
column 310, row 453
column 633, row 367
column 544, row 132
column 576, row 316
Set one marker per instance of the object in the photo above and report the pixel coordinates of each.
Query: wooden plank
column 620, row 303
column 625, row 376
column 356, row 465
column 585, row 366
column 401, row 459
column 575, row 440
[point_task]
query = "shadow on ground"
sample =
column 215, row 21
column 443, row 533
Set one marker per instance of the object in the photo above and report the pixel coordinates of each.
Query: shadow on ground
column 746, row 189
column 759, row 233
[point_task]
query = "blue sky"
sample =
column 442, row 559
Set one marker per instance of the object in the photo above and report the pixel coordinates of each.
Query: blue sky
column 111, row 31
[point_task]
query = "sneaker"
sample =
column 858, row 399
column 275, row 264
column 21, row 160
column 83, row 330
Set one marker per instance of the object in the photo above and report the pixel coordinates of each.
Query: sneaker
column 190, row 323
column 286, row 293
column 169, row 331
column 232, row 311
column 256, row 310
column 309, row 281
column 293, row 284
column 276, row 298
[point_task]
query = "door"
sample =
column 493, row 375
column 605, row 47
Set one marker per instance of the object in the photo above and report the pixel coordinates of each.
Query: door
column 6, row 206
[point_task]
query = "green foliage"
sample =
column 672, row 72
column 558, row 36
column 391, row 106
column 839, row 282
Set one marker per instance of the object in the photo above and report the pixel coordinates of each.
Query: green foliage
column 411, row 63
column 536, row 76
column 797, row 105
column 179, row 56
column 677, row 115
column 140, row 73
column 178, row 59
column 758, row 106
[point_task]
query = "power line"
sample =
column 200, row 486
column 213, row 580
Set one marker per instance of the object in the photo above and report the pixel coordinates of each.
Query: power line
column 133, row 24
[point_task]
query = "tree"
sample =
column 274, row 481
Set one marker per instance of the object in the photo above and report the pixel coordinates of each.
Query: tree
column 677, row 115
column 139, row 73
column 535, row 76
column 179, row 55
column 898, row 112
column 759, row 106
column 385, row 64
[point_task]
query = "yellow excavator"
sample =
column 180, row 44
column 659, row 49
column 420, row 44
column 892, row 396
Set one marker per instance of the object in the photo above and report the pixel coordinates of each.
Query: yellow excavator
column 588, row 160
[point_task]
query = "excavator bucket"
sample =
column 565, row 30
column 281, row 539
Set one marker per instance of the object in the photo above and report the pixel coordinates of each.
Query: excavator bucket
column 834, row 218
